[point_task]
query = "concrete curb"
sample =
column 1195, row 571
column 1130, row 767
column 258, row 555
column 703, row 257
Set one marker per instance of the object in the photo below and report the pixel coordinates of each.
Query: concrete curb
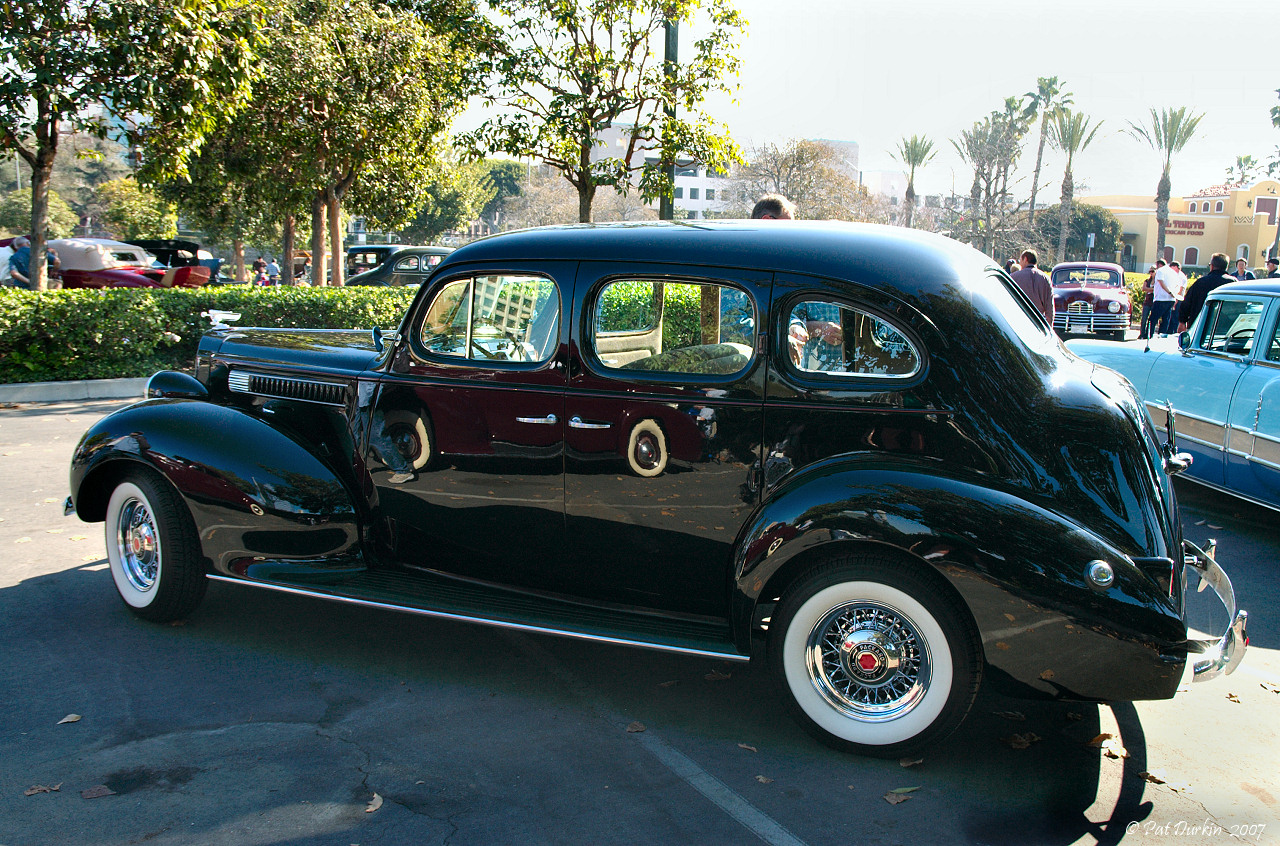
column 87, row 389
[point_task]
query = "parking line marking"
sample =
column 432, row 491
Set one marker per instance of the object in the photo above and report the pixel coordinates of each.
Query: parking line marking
column 716, row 791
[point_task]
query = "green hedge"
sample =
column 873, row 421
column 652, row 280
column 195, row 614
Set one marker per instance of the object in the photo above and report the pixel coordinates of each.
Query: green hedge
column 133, row 332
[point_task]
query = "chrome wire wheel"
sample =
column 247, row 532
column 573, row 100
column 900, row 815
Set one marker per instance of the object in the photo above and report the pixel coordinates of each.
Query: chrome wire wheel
column 138, row 544
column 868, row 661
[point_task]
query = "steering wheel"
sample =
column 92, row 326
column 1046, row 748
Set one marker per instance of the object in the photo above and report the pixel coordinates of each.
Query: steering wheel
column 517, row 353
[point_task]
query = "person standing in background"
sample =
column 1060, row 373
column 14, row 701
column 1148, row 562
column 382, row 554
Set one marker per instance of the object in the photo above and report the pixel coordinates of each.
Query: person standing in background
column 1035, row 283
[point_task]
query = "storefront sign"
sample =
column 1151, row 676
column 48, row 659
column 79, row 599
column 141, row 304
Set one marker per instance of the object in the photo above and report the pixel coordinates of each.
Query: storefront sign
column 1186, row 227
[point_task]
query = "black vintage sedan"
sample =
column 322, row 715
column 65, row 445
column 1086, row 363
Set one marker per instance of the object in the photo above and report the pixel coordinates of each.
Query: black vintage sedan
column 406, row 266
column 857, row 453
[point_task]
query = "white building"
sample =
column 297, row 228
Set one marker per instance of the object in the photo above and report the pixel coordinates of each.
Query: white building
column 697, row 190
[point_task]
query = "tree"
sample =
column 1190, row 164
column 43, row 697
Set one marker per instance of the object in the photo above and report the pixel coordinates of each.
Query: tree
column 454, row 198
column 914, row 152
column 811, row 174
column 1048, row 99
column 545, row 199
column 992, row 148
column 1071, row 134
column 15, row 215
column 71, row 64
column 1168, row 132
column 505, row 177
column 130, row 212
column 1084, row 218
column 1243, row 172
column 571, row 69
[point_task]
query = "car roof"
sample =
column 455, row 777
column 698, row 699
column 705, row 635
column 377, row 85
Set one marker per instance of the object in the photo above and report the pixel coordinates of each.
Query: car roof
column 905, row 260
column 1101, row 265
column 1249, row 286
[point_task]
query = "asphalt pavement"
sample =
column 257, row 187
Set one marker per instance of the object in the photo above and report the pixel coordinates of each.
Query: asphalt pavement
column 270, row 719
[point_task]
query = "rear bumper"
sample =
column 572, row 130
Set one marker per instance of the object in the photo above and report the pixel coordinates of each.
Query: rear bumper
column 1211, row 657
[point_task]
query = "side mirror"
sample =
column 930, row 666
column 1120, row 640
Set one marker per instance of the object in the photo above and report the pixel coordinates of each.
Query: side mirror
column 380, row 338
column 1184, row 341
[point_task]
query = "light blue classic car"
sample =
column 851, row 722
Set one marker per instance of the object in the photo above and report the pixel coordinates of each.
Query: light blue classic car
column 1222, row 380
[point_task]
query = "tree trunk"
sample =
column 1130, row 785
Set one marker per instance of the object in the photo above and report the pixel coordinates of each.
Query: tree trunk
column 41, row 164
column 1162, row 211
column 1035, row 175
column 909, row 203
column 586, row 193
column 335, row 236
column 1064, row 214
column 975, row 197
column 286, row 266
column 237, row 259
column 318, row 258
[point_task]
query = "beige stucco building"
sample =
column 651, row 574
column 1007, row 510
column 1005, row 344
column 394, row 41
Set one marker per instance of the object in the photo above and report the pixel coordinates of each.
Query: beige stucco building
column 1240, row 222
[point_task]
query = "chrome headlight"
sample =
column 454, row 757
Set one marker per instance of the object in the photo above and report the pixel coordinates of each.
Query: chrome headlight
column 1113, row 307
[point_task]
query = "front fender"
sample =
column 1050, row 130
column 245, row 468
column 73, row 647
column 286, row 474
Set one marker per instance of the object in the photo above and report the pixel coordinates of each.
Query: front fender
column 254, row 492
column 1019, row 568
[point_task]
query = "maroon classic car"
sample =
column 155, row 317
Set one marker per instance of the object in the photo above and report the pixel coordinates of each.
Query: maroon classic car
column 1089, row 298
column 102, row 263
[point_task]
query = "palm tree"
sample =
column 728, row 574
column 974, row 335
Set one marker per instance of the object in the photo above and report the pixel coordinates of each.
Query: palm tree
column 1048, row 99
column 1244, row 171
column 1070, row 133
column 914, row 152
column 1169, row 132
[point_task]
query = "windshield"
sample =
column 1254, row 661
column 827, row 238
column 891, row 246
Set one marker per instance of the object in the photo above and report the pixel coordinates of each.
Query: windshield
column 1088, row 275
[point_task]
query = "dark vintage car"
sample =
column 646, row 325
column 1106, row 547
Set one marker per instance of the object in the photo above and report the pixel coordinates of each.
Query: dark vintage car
column 407, row 266
column 171, row 252
column 363, row 257
column 1089, row 298
column 883, row 474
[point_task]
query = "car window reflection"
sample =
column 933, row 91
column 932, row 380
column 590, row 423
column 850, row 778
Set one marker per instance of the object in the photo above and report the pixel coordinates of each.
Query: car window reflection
column 494, row 318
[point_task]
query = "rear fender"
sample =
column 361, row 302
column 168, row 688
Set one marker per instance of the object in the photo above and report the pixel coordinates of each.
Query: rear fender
column 1019, row 569
column 255, row 492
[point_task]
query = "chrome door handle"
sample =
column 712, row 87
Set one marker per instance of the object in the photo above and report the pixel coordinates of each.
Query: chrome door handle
column 549, row 419
column 576, row 423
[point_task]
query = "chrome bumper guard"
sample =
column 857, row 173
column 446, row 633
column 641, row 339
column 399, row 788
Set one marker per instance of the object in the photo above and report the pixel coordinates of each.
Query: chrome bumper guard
column 68, row 508
column 1220, row 656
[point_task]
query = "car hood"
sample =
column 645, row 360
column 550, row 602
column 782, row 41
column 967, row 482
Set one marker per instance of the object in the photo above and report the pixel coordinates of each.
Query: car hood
column 330, row 351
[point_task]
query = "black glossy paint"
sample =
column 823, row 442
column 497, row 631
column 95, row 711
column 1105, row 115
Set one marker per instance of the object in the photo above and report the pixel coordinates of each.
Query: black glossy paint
column 1002, row 467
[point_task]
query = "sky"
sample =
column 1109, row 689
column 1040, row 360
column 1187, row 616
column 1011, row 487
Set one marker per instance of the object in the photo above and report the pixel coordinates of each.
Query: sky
column 874, row 71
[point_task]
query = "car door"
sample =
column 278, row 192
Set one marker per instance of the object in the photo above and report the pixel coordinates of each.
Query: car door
column 466, row 434
column 1201, row 382
column 664, row 416
column 1253, row 455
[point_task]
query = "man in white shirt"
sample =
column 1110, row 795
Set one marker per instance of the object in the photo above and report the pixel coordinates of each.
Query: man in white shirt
column 1179, row 292
column 1162, row 297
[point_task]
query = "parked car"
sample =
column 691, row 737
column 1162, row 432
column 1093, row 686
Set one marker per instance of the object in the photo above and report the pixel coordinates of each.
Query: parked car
column 103, row 263
column 902, row 486
column 170, row 252
column 408, row 266
column 365, row 257
column 1222, row 380
column 1090, row 298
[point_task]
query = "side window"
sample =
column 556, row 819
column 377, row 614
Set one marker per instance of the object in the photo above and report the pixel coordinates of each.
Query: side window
column 824, row 337
column 1229, row 326
column 408, row 265
column 494, row 318
column 1273, row 351
column 673, row 327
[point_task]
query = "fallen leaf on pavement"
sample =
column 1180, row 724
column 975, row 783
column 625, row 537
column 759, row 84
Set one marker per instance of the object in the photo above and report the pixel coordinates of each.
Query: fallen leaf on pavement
column 70, row 718
column 54, row 531
column 905, row 789
column 748, row 748
column 1097, row 742
column 23, row 540
column 374, row 804
column 1271, row 686
column 1151, row 777
column 40, row 788
column 716, row 675
column 1011, row 715
column 1074, row 717
column 1001, row 645
column 78, row 537
column 1046, row 675
column 97, row 791
column 896, row 798
column 1211, row 526
column 1201, row 522
column 671, row 683
column 184, row 622
column 764, row 779
column 1020, row 741
column 635, row 727
column 909, row 762
column 1231, row 697
column 1112, row 749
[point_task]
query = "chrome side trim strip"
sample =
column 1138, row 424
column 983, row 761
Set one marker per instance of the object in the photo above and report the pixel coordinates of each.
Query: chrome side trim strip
column 466, row 618
column 1230, row 492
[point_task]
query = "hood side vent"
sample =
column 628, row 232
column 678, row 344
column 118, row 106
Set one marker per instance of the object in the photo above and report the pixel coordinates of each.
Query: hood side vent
column 284, row 387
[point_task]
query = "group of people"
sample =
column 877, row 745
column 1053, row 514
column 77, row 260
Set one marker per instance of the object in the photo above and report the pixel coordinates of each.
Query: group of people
column 1169, row 303
column 266, row 271
column 18, row 272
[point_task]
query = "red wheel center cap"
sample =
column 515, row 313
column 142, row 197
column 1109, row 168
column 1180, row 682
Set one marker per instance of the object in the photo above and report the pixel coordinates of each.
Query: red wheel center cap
column 867, row 661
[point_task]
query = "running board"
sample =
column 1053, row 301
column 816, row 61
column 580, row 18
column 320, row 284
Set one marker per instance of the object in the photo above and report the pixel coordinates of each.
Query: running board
column 472, row 604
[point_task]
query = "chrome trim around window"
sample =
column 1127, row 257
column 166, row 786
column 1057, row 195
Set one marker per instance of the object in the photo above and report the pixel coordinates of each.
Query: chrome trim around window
column 501, row 624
